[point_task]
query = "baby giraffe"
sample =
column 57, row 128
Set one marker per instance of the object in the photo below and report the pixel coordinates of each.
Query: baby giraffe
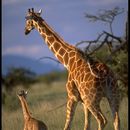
column 30, row 123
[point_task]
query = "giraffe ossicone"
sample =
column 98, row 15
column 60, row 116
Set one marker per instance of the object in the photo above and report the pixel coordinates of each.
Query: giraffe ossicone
column 87, row 82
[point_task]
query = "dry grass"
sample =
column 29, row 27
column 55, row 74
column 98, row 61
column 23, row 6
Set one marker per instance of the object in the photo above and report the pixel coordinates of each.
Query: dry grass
column 43, row 98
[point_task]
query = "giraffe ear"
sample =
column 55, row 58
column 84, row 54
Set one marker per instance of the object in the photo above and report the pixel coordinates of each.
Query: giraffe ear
column 29, row 10
column 32, row 9
column 40, row 11
column 26, row 92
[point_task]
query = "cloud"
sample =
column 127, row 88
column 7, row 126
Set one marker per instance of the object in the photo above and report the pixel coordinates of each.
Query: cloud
column 34, row 51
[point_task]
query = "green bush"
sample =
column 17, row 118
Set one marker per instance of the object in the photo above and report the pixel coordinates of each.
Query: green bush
column 10, row 101
column 18, row 76
column 51, row 77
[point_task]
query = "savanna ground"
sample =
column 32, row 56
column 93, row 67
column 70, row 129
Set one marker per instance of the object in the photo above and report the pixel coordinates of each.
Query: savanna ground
column 43, row 99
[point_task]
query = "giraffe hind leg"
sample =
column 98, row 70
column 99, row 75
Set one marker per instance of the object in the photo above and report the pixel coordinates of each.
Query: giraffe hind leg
column 96, row 112
column 114, row 105
column 114, row 102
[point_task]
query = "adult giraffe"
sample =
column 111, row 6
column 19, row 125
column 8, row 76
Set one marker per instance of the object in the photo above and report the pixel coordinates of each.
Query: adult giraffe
column 87, row 82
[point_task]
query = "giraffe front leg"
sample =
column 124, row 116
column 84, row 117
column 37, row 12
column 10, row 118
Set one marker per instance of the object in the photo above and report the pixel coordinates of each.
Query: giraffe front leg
column 71, row 105
column 87, row 118
column 25, row 126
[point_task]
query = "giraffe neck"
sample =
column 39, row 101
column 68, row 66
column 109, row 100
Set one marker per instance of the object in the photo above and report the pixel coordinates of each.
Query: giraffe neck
column 55, row 43
column 25, row 109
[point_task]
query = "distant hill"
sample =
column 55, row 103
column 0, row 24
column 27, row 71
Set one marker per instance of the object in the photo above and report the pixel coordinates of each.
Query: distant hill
column 24, row 62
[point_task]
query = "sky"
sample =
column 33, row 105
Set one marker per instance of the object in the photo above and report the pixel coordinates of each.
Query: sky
column 66, row 17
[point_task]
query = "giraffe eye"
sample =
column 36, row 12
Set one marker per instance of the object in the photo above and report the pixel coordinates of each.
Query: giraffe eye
column 29, row 22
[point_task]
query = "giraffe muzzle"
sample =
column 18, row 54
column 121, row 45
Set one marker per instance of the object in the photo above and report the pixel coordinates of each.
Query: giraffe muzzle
column 27, row 32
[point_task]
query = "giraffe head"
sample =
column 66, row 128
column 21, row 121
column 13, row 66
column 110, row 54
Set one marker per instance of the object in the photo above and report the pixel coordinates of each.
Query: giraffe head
column 22, row 94
column 31, row 15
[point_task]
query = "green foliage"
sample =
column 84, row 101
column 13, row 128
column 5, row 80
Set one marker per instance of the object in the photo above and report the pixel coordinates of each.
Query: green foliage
column 121, row 69
column 11, row 102
column 119, row 64
column 25, row 77
column 101, row 54
column 17, row 76
column 51, row 77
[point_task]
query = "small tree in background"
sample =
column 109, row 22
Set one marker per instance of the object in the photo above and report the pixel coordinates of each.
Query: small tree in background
column 18, row 76
column 108, row 48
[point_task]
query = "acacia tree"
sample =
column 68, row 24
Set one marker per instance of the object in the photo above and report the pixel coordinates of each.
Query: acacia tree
column 107, row 16
column 107, row 47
